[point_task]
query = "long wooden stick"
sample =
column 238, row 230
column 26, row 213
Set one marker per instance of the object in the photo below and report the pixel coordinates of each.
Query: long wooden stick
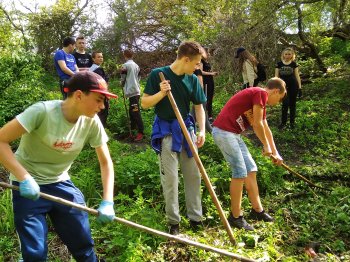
column 135, row 225
column 300, row 176
column 199, row 163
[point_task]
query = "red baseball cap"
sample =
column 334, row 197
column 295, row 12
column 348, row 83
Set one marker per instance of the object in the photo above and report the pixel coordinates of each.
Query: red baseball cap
column 88, row 81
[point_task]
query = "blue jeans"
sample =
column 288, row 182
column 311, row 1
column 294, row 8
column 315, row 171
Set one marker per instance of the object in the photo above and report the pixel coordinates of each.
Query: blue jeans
column 235, row 152
column 71, row 225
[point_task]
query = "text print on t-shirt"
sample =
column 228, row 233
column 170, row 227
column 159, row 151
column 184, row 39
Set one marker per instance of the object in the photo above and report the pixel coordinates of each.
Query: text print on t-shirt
column 248, row 115
column 63, row 145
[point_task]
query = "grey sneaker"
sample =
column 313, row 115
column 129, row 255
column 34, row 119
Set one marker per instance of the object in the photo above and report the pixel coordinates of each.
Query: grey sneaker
column 262, row 216
column 239, row 222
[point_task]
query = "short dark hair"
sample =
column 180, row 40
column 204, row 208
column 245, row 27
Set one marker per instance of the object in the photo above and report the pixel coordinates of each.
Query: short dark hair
column 128, row 53
column 68, row 41
column 94, row 53
column 80, row 37
column 189, row 49
column 276, row 83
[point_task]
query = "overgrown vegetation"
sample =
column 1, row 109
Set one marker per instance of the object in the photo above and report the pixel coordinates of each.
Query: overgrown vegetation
column 317, row 148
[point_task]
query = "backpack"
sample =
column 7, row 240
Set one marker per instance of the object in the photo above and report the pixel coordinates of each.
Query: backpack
column 261, row 72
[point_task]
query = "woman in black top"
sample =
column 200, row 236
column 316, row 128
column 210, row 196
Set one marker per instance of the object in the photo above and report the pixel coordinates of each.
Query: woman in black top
column 287, row 69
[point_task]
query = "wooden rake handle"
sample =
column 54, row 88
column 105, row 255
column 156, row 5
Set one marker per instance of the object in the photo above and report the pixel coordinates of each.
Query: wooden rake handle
column 135, row 225
column 199, row 163
column 300, row 176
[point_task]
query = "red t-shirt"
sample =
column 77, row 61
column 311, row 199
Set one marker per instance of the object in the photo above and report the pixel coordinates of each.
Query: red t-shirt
column 237, row 115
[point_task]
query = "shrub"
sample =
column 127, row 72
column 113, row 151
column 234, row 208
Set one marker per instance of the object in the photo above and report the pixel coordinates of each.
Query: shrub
column 20, row 83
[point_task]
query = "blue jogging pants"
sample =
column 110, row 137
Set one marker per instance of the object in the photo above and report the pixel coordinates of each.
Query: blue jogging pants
column 71, row 225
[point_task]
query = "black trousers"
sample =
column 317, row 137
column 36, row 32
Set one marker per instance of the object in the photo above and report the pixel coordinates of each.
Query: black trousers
column 290, row 102
column 209, row 92
column 246, row 85
column 135, row 114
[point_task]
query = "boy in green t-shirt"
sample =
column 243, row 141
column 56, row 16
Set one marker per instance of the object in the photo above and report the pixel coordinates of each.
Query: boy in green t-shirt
column 167, row 138
column 52, row 134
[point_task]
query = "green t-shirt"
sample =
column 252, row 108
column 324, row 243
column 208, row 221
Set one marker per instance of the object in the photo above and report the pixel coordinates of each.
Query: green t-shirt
column 51, row 143
column 185, row 89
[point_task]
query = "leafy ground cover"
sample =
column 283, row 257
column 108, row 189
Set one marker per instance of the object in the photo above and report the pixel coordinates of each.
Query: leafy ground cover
column 317, row 148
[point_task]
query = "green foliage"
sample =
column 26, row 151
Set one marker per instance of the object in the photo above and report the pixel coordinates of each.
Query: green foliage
column 6, row 35
column 328, row 128
column 52, row 24
column 20, row 84
column 7, row 242
column 111, row 239
column 145, row 173
column 332, row 223
column 8, row 246
column 317, row 148
column 334, row 52
column 6, row 217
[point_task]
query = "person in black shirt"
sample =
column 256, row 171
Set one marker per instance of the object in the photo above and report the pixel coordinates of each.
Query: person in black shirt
column 287, row 69
column 83, row 59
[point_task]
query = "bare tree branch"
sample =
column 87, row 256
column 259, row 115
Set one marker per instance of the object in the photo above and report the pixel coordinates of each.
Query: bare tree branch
column 80, row 10
column 300, row 2
column 27, row 8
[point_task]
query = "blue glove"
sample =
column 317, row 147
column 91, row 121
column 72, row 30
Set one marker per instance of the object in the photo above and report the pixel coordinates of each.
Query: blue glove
column 29, row 188
column 105, row 212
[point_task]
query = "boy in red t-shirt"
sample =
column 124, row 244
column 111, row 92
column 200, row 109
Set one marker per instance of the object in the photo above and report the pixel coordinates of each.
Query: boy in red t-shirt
column 244, row 109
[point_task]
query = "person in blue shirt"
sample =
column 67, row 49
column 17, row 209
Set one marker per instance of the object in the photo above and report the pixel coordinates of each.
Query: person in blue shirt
column 65, row 63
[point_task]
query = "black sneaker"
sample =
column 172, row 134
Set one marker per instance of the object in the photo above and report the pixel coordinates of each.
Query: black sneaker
column 239, row 222
column 174, row 229
column 262, row 216
column 195, row 225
